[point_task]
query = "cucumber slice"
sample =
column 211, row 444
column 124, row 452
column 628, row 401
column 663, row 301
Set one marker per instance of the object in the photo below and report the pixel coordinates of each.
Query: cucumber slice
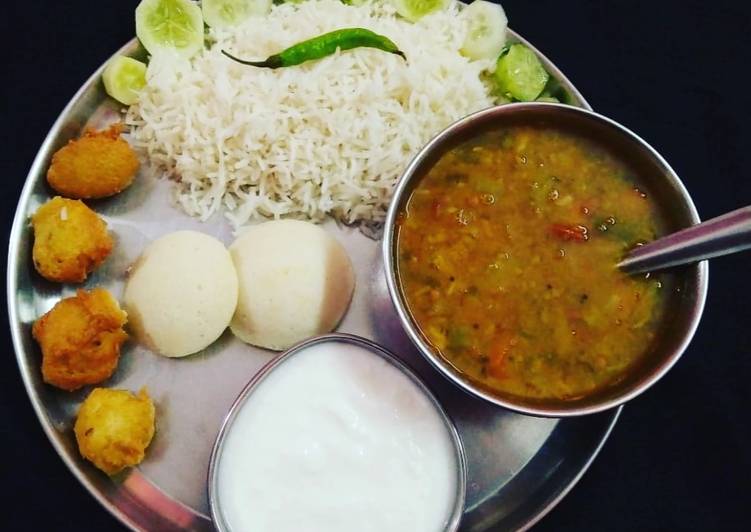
column 170, row 24
column 414, row 10
column 519, row 74
column 123, row 77
column 486, row 30
column 227, row 13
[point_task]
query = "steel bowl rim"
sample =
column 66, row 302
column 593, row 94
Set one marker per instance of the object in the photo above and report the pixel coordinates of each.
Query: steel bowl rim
column 389, row 242
column 373, row 347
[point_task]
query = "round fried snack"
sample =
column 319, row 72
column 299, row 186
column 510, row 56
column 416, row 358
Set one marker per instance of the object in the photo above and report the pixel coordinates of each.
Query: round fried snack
column 114, row 428
column 97, row 165
column 80, row 339
column 70, row 240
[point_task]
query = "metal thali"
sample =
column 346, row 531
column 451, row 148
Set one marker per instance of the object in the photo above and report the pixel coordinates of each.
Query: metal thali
column 519, row 467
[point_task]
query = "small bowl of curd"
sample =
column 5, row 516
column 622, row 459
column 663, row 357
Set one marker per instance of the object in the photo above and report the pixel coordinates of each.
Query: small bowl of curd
column 336, row 434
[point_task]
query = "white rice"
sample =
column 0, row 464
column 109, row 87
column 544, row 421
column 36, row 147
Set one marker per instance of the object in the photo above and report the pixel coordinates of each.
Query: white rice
column 328, row 137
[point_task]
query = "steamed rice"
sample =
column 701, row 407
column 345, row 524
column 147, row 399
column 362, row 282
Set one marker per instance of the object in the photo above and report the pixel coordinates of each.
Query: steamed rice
column 328, row 137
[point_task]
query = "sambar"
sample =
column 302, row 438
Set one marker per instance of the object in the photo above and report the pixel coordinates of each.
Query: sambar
column 506, row 254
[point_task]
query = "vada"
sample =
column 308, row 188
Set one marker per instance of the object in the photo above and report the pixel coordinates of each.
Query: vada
column 70, row 240
column 97, row 165
column 114, row 428
column 80, row 339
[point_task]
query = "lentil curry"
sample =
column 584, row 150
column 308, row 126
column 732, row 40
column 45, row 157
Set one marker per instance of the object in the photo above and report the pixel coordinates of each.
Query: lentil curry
column 506, row 260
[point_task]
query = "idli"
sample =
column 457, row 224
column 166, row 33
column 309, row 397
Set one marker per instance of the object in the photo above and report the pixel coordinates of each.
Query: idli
column 296, row 281
column 181, row 293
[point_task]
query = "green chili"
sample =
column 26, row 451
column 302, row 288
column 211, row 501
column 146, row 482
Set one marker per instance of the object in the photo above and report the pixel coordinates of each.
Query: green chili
column 323, row 46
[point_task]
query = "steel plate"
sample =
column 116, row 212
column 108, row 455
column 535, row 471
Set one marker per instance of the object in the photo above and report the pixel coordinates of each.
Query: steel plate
column 519, row 466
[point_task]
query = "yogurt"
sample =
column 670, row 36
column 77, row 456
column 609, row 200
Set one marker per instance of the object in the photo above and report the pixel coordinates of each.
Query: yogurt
column 334, row 439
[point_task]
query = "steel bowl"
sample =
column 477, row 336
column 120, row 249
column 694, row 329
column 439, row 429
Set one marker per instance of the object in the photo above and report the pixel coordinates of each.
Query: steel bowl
column 686, row 286
column 215, row 502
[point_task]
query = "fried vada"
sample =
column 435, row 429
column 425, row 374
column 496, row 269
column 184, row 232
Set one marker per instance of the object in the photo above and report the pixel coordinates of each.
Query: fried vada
column 80, row 339
column 70, row 240
column 97, row 165
column 114, row 428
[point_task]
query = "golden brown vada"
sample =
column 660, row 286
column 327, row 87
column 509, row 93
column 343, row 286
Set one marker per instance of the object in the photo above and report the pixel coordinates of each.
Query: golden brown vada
column 114, row 428
column 97, row 165
column 80, row 339
column 70, row 240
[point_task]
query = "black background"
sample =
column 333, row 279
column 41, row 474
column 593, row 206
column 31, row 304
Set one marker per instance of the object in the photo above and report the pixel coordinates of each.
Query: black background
column 674, row 71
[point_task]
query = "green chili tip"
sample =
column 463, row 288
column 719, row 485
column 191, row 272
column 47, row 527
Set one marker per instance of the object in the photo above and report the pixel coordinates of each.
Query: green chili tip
column 323, row 46
column 273, row 61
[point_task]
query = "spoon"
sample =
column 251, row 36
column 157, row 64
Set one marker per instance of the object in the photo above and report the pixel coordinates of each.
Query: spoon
column 723, row 235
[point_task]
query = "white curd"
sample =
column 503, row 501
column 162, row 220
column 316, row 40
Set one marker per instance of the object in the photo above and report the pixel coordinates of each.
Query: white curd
column 337, row 439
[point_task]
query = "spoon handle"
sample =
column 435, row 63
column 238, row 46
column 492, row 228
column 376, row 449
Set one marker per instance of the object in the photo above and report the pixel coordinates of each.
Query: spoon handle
column 725, row 234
